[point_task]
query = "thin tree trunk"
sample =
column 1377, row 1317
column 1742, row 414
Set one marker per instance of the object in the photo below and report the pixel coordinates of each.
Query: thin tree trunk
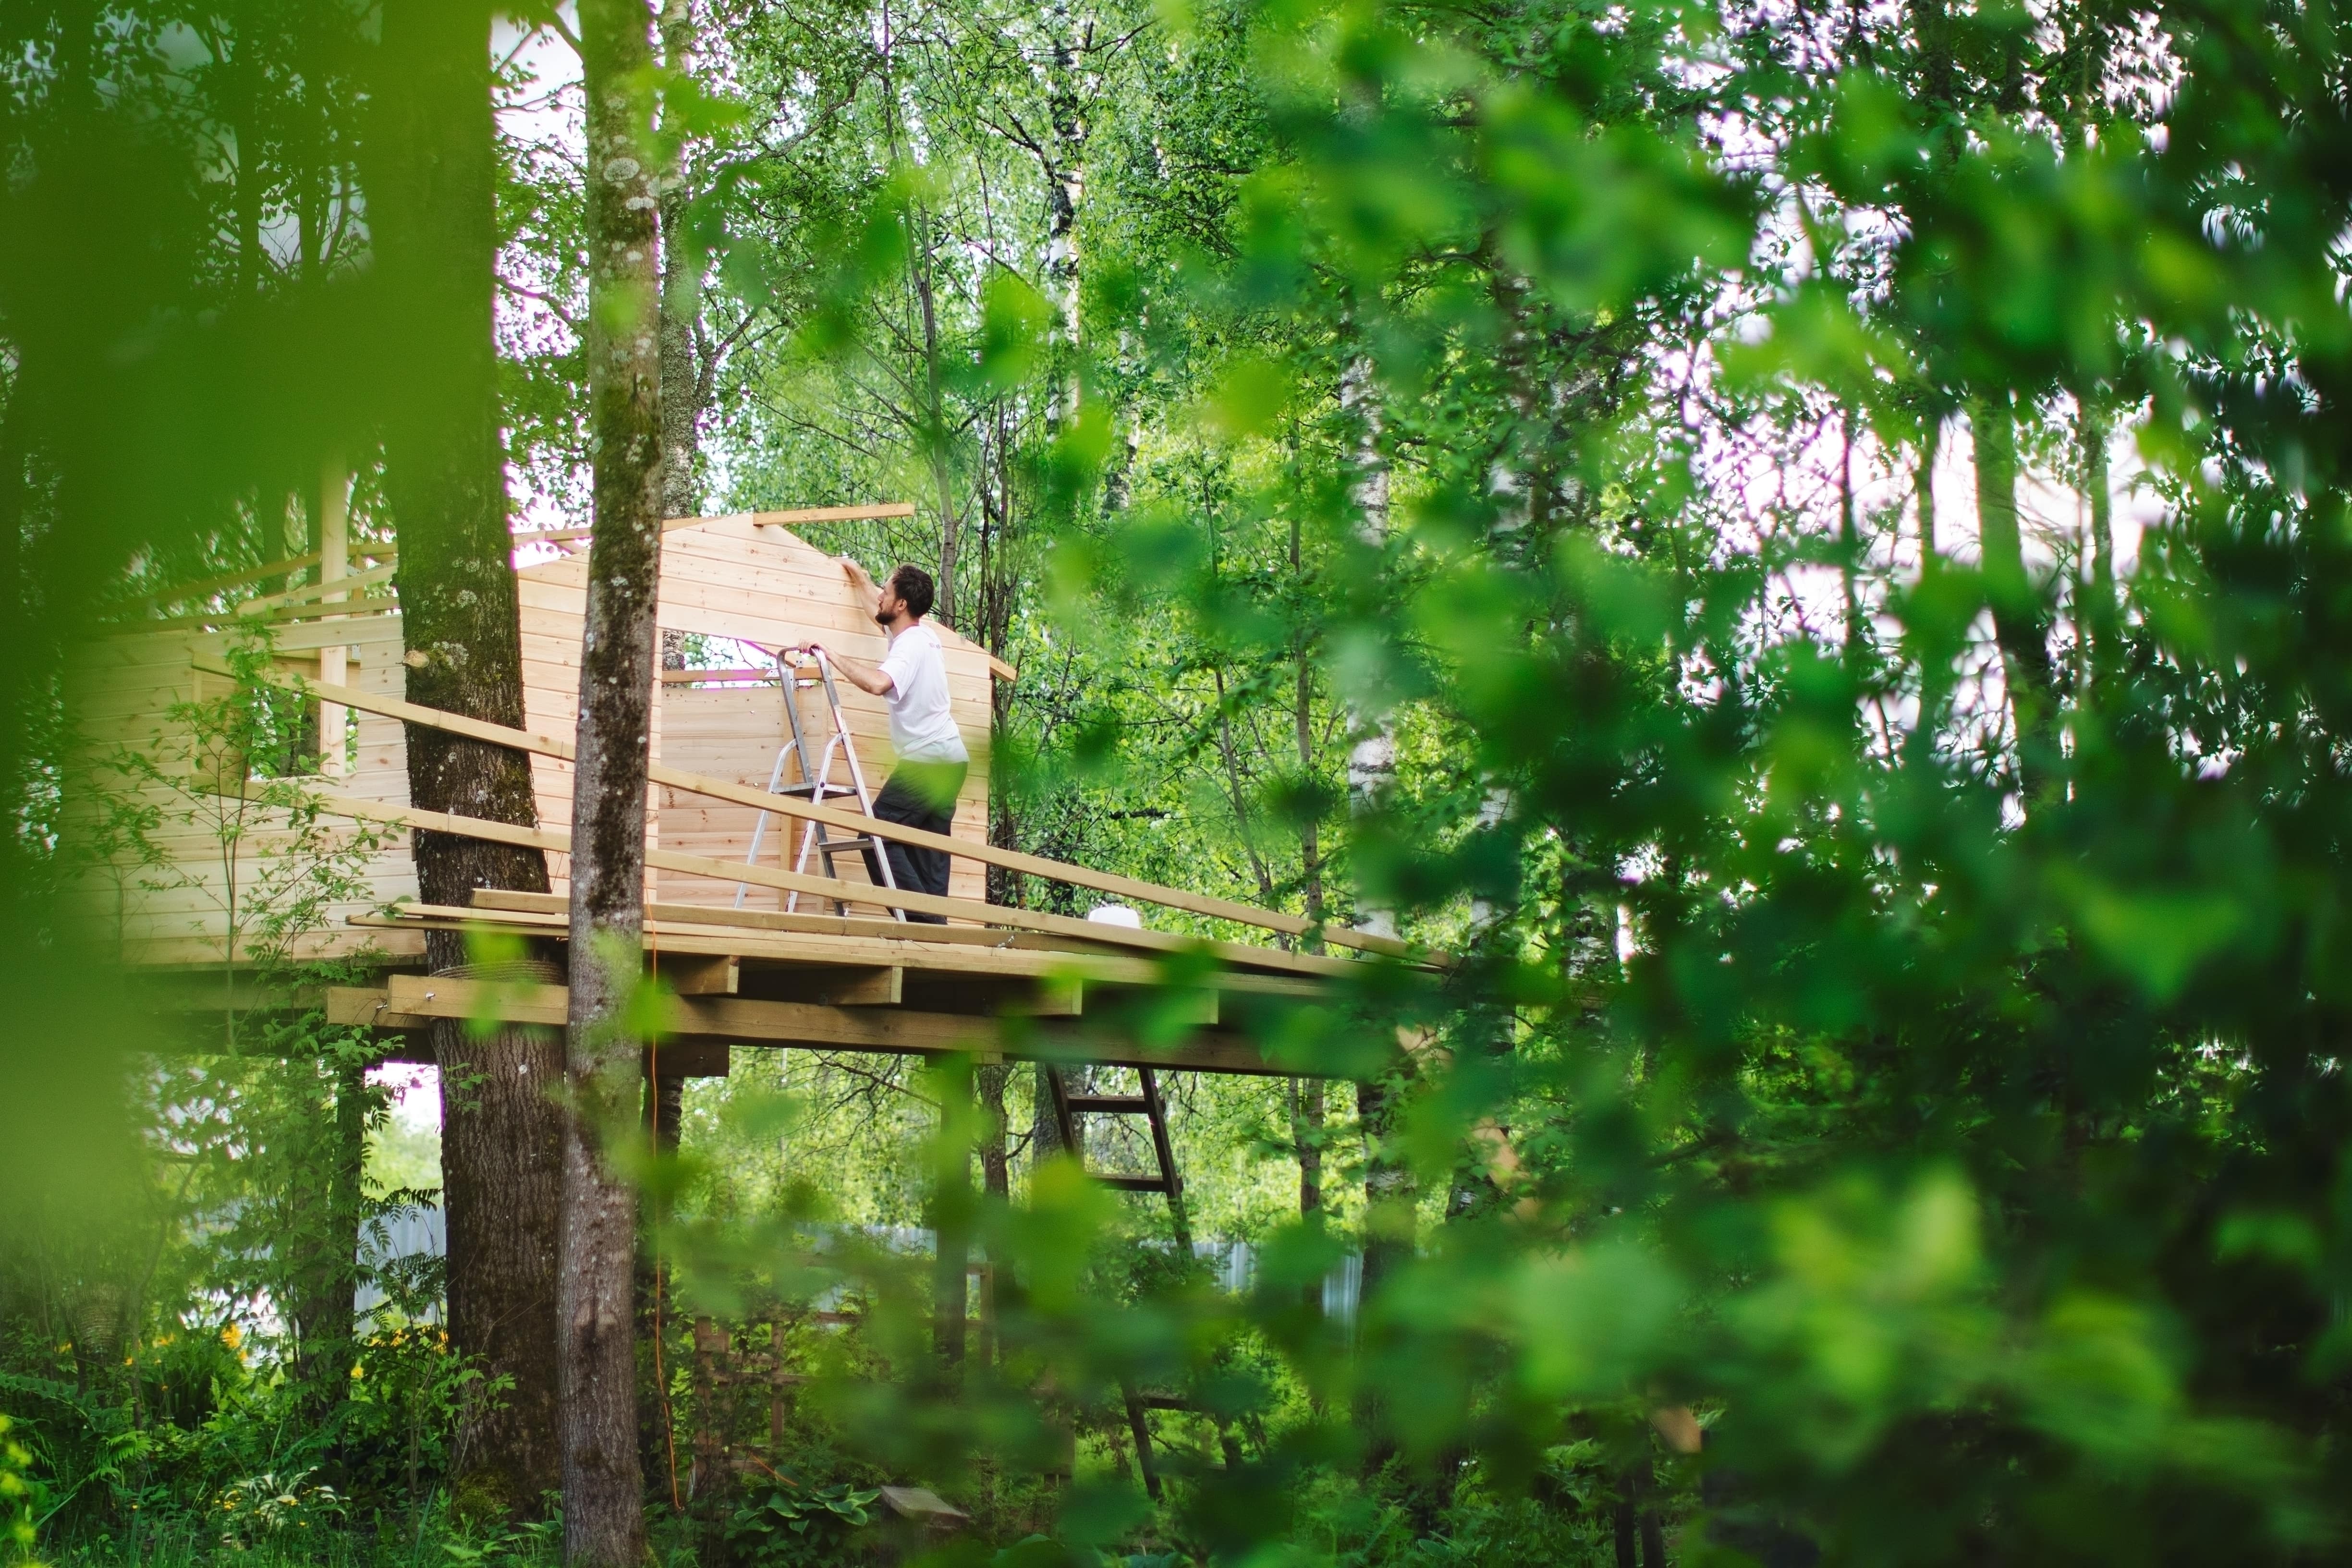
column 324, row 1317
column 996, row 1158
column 2016, row 615
column 1306, row 1114
column 664, row 1103
column 952, row 1209
column 1922, row 487
column 681, row 296
column 16, row 683
column 681, row 412
column 604, row 1515
column 1849, row 539
column 433, row 229
column 935, row 435
column 1389, row 1189
column 2099, row 623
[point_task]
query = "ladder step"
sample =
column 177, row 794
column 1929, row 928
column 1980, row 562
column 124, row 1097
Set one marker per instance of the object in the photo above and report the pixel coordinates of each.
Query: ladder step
column 1112, row 1104
column 1130, row 1183
column 846, row 846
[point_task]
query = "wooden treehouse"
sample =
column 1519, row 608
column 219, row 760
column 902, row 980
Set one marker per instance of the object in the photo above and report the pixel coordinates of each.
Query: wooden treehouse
column 764, row 940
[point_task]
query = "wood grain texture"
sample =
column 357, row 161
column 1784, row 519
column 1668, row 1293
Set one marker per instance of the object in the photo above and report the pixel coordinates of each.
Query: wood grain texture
column 886, row 1030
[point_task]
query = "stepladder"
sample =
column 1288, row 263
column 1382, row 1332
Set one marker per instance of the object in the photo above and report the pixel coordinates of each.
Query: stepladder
column 817, row 761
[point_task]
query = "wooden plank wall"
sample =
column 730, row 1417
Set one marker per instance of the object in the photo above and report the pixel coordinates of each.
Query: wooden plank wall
column 721, row 578
column 729, row 577
column 177, row 913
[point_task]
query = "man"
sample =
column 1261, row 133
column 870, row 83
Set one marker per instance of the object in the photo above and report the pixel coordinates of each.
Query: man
column 932, row 760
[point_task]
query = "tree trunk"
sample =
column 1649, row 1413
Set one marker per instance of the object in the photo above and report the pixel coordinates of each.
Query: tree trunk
column 324, row 1322
column 604, row 1513
column 2099, row 616
column 995, row 1161
column 681, row 313
column 2016, row 613
column 953, row 1209
column 681, row 297
column 1922, row 487
column 16, row 681
column 430, row 207
column 1371, row 769
column 501, row 1133
column 1306, row 1114
column 664, row 1103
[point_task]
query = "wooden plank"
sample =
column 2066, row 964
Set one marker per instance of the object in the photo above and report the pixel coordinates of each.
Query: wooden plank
column 228, row 579
column 1056, row 999
column 886, row 1030
column 1011, row 860
column 761, row 520
column 875, row 988
column 677, row 939
column 953, row 908
column 375, row 577
column 560, row 842
column 261, row 613
column 903, row 931
column 370, row 1007
column 713, row 974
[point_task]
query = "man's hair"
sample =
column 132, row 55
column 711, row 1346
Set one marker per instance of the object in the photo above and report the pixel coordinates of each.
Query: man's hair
column 913, row 584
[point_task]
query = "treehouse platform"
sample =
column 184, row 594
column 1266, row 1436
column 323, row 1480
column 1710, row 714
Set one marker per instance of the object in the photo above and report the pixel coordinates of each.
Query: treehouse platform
column 207, row 855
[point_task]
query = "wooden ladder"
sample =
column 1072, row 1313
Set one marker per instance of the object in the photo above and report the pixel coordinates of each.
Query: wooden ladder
column 1068, row 1108
column 816, row 783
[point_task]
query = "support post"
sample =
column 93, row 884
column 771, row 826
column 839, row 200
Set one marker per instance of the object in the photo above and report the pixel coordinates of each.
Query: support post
column 334, row 565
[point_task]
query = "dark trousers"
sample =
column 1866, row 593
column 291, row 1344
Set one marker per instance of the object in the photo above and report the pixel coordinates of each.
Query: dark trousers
column 918, row 795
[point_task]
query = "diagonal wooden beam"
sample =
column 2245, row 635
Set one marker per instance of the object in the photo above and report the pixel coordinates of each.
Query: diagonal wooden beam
column 851, row 823
column 560, row 842
column 764, row 519
column 1095, row 937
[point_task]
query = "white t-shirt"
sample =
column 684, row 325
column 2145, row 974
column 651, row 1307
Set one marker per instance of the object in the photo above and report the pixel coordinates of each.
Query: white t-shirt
column 922, row 727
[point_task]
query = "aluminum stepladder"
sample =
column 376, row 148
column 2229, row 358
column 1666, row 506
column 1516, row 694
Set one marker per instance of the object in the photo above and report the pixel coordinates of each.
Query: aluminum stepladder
column 816, row 783
column 1150, row 1106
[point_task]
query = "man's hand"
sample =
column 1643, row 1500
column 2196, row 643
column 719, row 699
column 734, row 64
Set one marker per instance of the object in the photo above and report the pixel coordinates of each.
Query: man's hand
column 862, row 585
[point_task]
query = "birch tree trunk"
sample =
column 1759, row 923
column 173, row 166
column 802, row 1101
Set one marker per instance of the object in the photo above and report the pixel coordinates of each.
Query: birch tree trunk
column 2016, row 612
column 430, row 168
column 604, row 1516
column 681, row 298
column 2099, row 614
column 1389, row 1191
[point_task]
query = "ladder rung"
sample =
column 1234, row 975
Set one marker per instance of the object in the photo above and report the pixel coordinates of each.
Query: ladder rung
column 842, row 846
column 1130, row 1183
column 1114, row 1105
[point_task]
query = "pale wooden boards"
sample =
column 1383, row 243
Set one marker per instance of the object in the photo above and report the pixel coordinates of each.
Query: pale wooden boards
column 410, row 1000
column 1036, row 865
column 725, row 576
column 948, row 908
column 676, row 930
column 731, row 574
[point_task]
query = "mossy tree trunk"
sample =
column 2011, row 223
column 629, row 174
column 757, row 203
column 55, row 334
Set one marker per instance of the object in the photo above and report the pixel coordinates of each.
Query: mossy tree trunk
column 431, row 173
column 604, row 1513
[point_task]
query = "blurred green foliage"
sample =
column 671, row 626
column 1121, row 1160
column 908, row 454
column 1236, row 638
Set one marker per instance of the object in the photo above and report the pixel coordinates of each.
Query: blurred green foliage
column 1895, row 1014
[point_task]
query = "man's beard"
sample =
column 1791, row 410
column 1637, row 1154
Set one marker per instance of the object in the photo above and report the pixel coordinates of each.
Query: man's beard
column 882, row 621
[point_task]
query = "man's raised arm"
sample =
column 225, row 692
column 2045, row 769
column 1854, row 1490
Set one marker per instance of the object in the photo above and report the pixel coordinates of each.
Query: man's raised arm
column 869, row 590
